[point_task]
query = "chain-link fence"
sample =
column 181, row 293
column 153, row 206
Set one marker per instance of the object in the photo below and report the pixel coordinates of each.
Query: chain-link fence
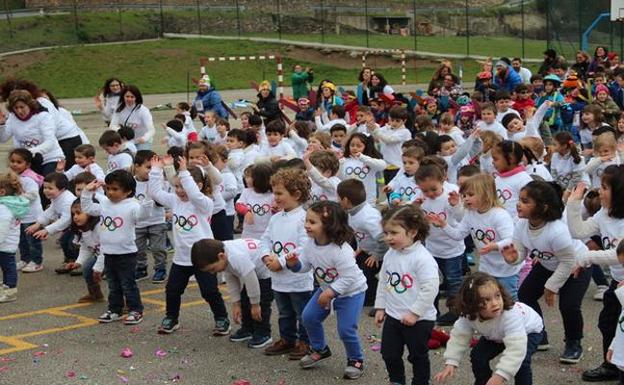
column 522, row 28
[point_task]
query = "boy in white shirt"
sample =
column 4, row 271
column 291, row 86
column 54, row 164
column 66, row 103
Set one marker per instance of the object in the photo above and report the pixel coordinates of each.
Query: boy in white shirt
column 391, row 137
column 503, row 105
column 209, row 131
column 118, row 159
column 275, row 148
column 84, row 156
column 235, row 142
column 336, row 116
column 322, row 168
column 127, row 140
column 175, row 134
column 488, row 120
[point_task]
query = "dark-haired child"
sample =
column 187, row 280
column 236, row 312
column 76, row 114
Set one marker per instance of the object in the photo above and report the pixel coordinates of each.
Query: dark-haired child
column 297, row 137
column 517, row 129
column 189, row 112
column 390, row 138
column 566, row 164
column 511, row 175
column 235, row 143
column 338, row 134
column 402, row 188
column 404, row 302
column 223, row 126
column 256, row 200
column 84, row 156
column 248, row 281
column 127, row 140
column 322, row 167
column 119, row 213
column 55, row 219
column 341, row 285
column 511, row 330
column 275, row 147
column 176, row 136
column 362, row 161
column 502, row 100
column 229, row 187
column 542, row 235
column 456, row 156
column 488, row 120
column 336, row 116
column 110, row 141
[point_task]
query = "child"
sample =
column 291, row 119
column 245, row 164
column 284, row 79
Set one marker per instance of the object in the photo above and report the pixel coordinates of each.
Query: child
column 228, row 188
column 341, row 285
column 455, row 156
column 402, row 188
column 404, row 302
column 110, row 141
column 84, row 156
column 516, row 129
column 235, row 142
column 306, row 112
column 489, row 140
column 614, row 354
column 610, row 109
column 284, row 233
column 448, row 128
column 488, row 120
column 534, row 156
column 605, row 154
column 591, row 120
column 175, row 134
column 244, row 118
column 209, row 131
column 503, row 102
column 551, row 93
column 119, row 213
column 188, row 112
column 566, row 164
column 434, row 197
column 256, row 200
column 248, row 281
column 151, row 230
column 511, row 175
column 362, row 117
column 542, row 235
column 298, row 134
column 362, row 161
column 275, row 148
column 127, row 140
column 192, row 209
column 90, row 259
column 223, row 126
column 30, row 248
column 391, row 137
column 322, row 166
column 513, row 329
column 523, row 103
column 320, row 141
column 336, row 116
column 489, row 224
column 338, row 134
column 13, row 207
column 56, row 218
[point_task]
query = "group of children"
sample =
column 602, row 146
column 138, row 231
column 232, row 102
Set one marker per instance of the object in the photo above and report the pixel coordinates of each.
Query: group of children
column 338, row 216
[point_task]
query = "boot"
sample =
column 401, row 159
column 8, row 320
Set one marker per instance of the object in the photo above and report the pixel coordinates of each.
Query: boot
column 300, row 351
column 94, row 295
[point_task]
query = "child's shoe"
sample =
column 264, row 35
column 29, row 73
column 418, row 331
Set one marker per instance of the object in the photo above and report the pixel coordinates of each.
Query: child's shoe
column 109, row 317
column 168, row 326
column 8, row 295
column 279, row 347
column 32, row 267
column 241, row 335
column 20, row 265
column 222, row 327
column 258, row 342
column 313, row 358
column 140, row 274
column 160, row 276
column 76, row 272
column 354, row 369
column 133, row 318
column 63, row 269
column 572, row 353
column 599, row 293
column 300, row 351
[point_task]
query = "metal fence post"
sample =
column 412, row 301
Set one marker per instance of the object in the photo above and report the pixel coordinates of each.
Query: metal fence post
column 238, row 20
column 548, row 25
column 119, row 12
column 580, row 23
column 162, row 19
column 415, row 28
column 322, row 22
column 467, row 31
column 199, row 28
column 8, row 17
column 75, row 10
column 366, row 22
column 279, row 20
column 522, row 16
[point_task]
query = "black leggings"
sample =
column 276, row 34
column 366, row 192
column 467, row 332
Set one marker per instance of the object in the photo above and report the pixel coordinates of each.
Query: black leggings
column 68, row 146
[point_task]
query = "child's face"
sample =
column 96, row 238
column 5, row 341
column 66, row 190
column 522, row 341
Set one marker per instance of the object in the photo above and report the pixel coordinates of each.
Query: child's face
column 587, row 117
column 82, row 160
column 244, row 121
column 79, row 217
column 210, row 119
column 141, row 171
column 345, row 203
column 273, row 138
column 78, row 187
column 196, row 157
column 360, row 116
column 488, row 116
column 50, row 190
column 471, row 200
column 431, row 188
column 232, row 143
column 502, row 105
column 602, row 96
column 605, row 195
column 604, row 151
column 525, row 205
column 338, row 137
column 222, row 129
column 461, row 179
column 115, row 193
column 374, row 106
column 599, row 80
column 523, row 95
column 620, row 125
column 549, row 87
column 248, row 179
column 356, row 147
column 445, row 127
column 18, row 164
column 491, row 301
column 220, row 163
column 559, row 148
column 515, row 125
column 410, row 165
column 314, row 225
column 396, row 123
column 448, row 148
column 499, row 161
column 432, row 108
column 284, row 200
column 537, row 83
column 397, row 237
column 112, row 150
column 219, row 266
column 179, row 190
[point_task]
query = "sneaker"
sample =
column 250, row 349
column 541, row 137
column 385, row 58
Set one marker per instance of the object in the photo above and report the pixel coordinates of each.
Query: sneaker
column 354, row 369
column 108, row 317
column 20, row 265
column 605, row 372
column 544, row 345
column 240, row 336
column 300, row 351
column 8, row 295
column 76, row 272
column 140, row 275
column 281, row 346
column 168, row 326
column 599, row 293
column 572, row 353
column 447, row 319
column 61, row 269
column 222, row 327
column 32, row 267
column 313, row 358
column 259, row 342
column 133, row 318
column 160, row 276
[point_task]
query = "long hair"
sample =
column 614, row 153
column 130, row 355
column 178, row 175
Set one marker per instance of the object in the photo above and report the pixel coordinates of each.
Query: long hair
column 335, row 221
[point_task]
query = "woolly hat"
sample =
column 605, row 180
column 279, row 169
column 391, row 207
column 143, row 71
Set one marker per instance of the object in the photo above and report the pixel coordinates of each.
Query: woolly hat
column 429, row 100
column 303, row 101
column 467, row 110
column 602, row 88
column 204, row 81
column 508, row 118
column 484, row 75
column 612, row 55
column 552, row 78
column 329, row 85
column 572, row 81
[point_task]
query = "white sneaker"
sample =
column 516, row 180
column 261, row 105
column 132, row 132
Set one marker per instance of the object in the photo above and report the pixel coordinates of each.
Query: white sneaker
column 32, row 267
column 20, row 265
column 8, row 295
column 599, row 294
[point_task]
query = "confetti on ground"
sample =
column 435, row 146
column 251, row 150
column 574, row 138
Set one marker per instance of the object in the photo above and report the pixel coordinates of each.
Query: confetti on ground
column 376, row 347
column 70, row 374
column 39, row 354
column 6, row 359
column 160, row 353
column 4, row 369
column 127, row 353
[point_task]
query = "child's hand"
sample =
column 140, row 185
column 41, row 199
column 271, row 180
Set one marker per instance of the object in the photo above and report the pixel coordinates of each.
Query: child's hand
column 272, row 263
column 181, row 163
column 236, row 312
column 156, row 162
column 476, row 132
column 387, row 189
column 447, row 372
column 291, row 259
column 578, row 192
column 275, row 158
column 140, row 140
column 409, row 319
column 167, row 160
column 94, row 185
column 510, row 254
column 488, row 248
column 324, row 299
column 609, row 356
column 453, row 198
column 97, row 276
column 496, row 380
column 41, row 234
column 318, row 112
column 60, row 165
column 418, row 201
column 32, row 228
column 549, row 297
column 256, row 312
column 249, row 218
column 380, row 316
column 436, row 220
column 372, row 261
column 395, row 202
column 577, row 270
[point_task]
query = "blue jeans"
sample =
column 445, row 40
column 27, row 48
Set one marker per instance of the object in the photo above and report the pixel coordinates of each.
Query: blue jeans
column 9, row 269
column 452, row 270
column 87, row 271
column 511, row 284
column 121, row 284
column 348, row 310
column 486, row 350
column 30, row 247
column 70, row 250
column 290, row 308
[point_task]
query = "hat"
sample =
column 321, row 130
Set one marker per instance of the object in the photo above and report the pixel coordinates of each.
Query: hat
column 612, row 55
column 429, row 100
column 501, row 63
column 484, row 75
column 601, row 88
column 462, row 100
column 329, row 85
column 552, row 78
column 204, row 81
column 264, row 85
column 467, row 110
column 508, row 118
column 572, row 81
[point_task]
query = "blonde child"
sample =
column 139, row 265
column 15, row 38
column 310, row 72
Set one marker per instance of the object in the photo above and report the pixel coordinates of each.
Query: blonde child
column 510, row 174
column 489, row 140
column 605, row 154
column 209, row 131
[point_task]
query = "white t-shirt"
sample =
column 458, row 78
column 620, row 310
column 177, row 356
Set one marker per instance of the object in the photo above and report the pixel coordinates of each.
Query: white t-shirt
column 260, row 206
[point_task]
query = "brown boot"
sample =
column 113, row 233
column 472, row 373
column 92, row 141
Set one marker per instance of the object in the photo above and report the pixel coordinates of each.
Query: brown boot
column 87, row 298
column 280, row 347
column 301, row 349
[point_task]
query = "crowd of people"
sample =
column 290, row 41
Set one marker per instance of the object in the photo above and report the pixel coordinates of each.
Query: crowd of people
column 370, row 202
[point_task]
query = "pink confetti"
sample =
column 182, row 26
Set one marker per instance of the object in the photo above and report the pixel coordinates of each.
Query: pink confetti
column 160, row 353
column 135, row 329
column 39, row 354
column 4, row 369
column 123, row 379
column 127, row 353
column 70, row 374
column 376, row 347
column 6, row 359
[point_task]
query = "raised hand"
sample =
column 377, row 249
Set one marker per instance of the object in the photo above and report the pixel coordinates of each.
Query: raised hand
column 510, row 254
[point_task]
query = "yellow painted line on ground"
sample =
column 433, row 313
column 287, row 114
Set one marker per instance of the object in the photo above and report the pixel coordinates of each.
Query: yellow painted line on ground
column 43, row 311
column 154, row 302
column 16, row 345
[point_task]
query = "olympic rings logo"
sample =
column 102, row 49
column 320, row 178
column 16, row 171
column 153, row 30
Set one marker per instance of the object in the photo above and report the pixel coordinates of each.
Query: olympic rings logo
column 113, row 166
column 441, row 215
column 112, row 223
column 400, row 283
column 29, row 143
column 317, row 198
column 564, row 179
column 408, row 191
column 185, row 223
column 360, row 172
column 504, row 195
column 327, row 276
column 360, row 236
column 485, row 235
column 260, row 209
column 608, row 243
column 285, row 248
column 140, row 196
column 545, row 255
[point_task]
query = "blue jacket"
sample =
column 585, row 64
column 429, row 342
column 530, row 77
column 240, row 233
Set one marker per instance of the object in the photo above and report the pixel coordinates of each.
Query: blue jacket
column 510, row 82
column 211, row 100
column 617, row 94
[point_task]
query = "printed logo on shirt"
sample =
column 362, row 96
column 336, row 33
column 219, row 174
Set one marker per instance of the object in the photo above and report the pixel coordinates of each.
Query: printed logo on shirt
column 260, row 210
column 328, row 276
column 545, row 255
column 441, row 215
column 95, row 249
column 609, row 243
column 140, row 197
column 280, row 248
column 251, row 244
column 487, row 235
column 184, row 223
column 113, row 166
column 407, row 192
column 399, row 283
column 360, row 172
column 111, row 223
column 620, row 322
column 504, row 195
column 360, row 236
column 317, row 198
column 29, row 143
column 564, row 179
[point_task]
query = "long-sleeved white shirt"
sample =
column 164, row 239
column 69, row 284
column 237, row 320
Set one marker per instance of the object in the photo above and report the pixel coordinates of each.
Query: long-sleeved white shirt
column 64, row 128
column 37, row 135
column 156, row 214
column 325, row 127
column 323, row 188
column 229, row 190
column 405, row 185
column 119, row 161
column 390, row 143
column 364, row 168
column 57, row 217
column 139, row 118
column 531, row 128
column 93, row 168
column 9, row 230
column 366, row 223
column 31, row 192
column 283, row 150
column 90, row 248
column 244, row 263
column 565, row 172
column 260, row 206
column 508, row 186
column 494, row 126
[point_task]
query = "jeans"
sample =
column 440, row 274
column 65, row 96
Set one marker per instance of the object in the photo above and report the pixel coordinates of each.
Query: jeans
column 9, row 269
column 258, row 328
column 371, row 278
column 394, row 337
column 70, row 250
column 208, row 287
column 290, row 308
column 68, row 146
column 451, row 269
column 30, row 247
column 348, row 310
column 608, row 318
column 220, row 228
column 154, row 237
column 121, row 284
column 510, row 284
column 87, row 270
column 570, row 298
column 486, row 350
column 598, row 276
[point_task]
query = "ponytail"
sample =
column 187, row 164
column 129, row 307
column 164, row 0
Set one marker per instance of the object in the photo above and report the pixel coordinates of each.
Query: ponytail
column 564, row 138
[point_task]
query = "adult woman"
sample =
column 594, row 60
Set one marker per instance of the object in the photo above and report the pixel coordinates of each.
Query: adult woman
column 327, row 97
column 379, row 86
column 108, row 99
column 601, row 60
column 438, row 76
column 31, row 127
column 581, row 65
column 266, row 106
column 208, row 99
column 132, row 113
column 363, row 92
